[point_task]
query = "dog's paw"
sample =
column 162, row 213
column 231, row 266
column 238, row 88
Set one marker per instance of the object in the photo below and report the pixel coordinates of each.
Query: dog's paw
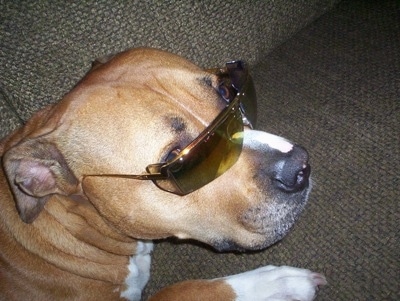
column 272, row 283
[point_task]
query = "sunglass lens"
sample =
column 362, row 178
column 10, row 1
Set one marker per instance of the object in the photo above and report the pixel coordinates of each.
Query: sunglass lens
column 209, row 159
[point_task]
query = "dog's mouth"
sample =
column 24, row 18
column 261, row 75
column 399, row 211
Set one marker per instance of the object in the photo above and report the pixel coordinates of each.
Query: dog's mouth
column 266, row 223
column 228, row 246
column 280, row 173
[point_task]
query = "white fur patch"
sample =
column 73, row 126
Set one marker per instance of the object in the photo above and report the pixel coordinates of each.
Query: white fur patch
column 275, row 283
column 139, row 271
column 254, row 138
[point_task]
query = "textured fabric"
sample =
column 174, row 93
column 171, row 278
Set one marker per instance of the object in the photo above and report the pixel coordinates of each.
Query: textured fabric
column 334, row 87
column 9, row 118
column 47, row 46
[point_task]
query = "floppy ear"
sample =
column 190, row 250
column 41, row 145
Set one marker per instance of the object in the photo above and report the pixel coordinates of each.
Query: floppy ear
column 35, row 170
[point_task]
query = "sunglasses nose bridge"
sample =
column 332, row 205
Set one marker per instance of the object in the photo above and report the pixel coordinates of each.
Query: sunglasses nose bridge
column 248, row 104
column 238, row 74
column 244, row 85
column 246, row 122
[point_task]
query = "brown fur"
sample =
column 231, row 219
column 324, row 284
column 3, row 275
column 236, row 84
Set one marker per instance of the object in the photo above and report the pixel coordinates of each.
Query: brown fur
column 196, row 290
column 67, row 249
column 65, row 238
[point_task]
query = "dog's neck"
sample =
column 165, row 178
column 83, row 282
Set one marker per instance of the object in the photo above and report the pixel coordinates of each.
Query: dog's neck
column 116, row 258
column 73, row 237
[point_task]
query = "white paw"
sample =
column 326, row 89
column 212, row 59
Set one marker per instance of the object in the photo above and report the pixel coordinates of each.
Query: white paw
column 272, row 283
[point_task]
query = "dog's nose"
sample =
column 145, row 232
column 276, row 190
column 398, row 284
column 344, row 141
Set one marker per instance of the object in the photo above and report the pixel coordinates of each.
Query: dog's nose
column 291, row 173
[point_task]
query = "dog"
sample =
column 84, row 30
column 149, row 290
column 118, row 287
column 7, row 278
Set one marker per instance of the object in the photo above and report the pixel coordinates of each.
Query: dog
column 147, row 146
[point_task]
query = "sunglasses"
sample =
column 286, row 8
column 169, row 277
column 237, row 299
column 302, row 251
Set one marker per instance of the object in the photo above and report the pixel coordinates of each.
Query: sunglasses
column 218, row 147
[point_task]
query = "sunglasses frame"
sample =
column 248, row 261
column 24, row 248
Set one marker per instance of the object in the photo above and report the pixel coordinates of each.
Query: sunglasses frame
column 161, row 171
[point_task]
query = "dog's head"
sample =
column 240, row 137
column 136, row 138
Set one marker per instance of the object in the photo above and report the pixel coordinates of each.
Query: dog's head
column 138, row 109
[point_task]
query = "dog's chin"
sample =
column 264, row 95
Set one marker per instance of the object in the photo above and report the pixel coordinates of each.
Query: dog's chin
column 266, row 223
column 227, row 245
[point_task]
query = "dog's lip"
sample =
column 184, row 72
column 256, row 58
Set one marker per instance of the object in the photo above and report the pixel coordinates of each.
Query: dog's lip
column 272, row 219
column 229, row 245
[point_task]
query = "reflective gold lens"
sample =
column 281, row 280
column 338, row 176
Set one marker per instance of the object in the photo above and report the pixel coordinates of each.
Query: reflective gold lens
column 209, row 158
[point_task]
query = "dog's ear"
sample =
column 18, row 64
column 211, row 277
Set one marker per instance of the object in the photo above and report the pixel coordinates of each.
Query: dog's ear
column 35, row 170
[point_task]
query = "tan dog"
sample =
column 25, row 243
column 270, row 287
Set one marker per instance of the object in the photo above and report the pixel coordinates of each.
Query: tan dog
column 64, row 236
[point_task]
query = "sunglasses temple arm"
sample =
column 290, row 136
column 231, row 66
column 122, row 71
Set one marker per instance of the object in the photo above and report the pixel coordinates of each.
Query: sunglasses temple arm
column 147, row 176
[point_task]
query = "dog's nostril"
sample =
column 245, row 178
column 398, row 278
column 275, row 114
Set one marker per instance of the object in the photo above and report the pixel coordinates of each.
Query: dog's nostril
column 293, row 172
column 303, row 175
column 294, row 183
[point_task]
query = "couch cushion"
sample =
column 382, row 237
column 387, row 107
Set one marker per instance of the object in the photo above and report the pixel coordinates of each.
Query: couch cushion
column 47, row 48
